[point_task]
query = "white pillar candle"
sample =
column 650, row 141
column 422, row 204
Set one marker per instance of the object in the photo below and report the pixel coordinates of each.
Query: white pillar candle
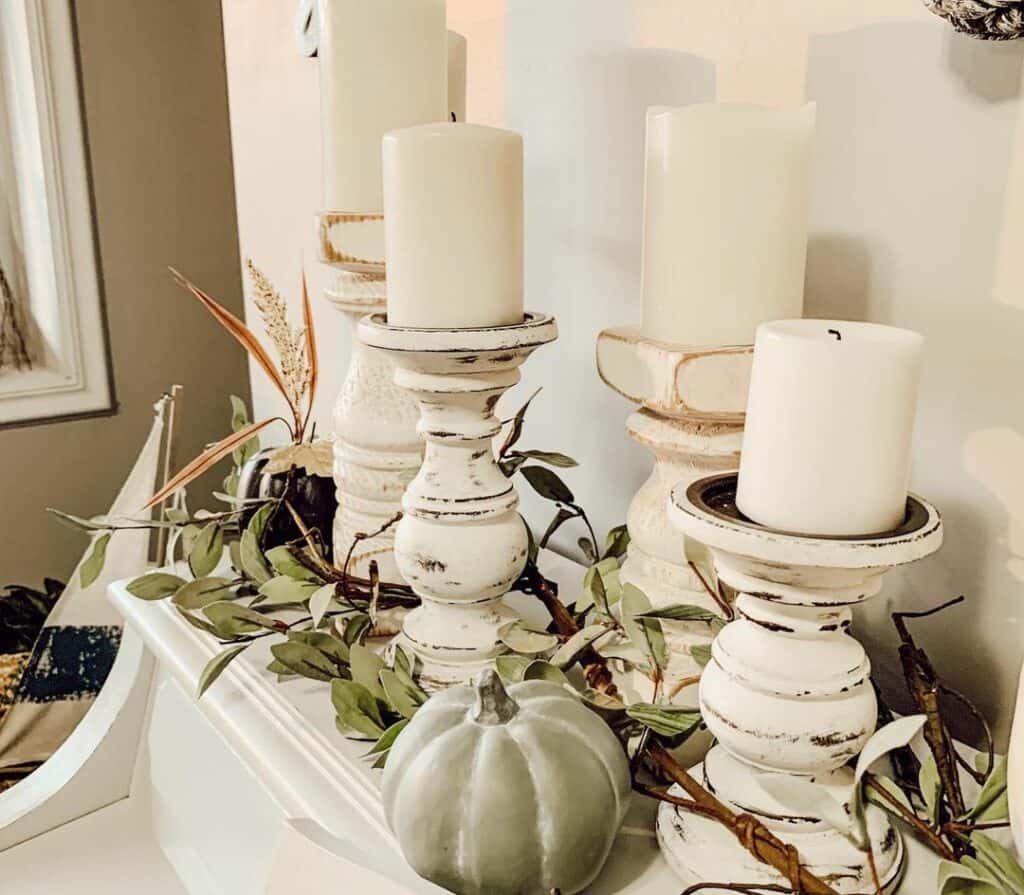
column 383, row 65
column 457, row 59
column 826, row 450
column 453, row 226
column 725, row 220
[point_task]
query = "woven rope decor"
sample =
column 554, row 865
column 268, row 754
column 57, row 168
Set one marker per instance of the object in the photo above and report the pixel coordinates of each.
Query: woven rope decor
column 983, row 19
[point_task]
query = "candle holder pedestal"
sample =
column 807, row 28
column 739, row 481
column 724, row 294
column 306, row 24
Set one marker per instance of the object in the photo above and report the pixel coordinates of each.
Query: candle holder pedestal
column 376, row 448
column 461, row 543
column 692, row 403
column 787, row 690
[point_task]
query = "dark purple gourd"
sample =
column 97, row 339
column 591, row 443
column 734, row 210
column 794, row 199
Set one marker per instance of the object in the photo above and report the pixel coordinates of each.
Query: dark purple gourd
column 312, row 496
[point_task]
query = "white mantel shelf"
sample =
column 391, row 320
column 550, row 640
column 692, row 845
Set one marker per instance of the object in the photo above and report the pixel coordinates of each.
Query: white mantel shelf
column 218, row 781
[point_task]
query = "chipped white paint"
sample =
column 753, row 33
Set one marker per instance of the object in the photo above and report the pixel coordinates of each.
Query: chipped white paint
column 787, row 689
column 376, row 448
column 691, row 419
column 461, row 544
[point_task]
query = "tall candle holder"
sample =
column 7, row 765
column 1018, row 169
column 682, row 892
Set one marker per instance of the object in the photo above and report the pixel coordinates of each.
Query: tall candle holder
column 461, row 543
column 787, row 690
column 376, row 448
column 692, row 402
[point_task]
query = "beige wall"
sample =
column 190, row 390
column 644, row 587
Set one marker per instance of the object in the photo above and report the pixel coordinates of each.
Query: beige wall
column 156, row 116
column 918, row 221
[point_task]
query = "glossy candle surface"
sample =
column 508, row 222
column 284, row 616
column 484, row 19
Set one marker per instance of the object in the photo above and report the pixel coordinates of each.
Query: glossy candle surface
column 725, row 220
column 383, row 65
column 453, row 216
column 830, row 417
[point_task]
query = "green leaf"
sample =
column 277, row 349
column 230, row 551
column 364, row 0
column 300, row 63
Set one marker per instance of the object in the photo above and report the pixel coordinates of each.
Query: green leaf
column 511, row 667
column 93, row 566
column 155, row 586
column 962, row 879
column 552, row 458
column 301, row 658
column 569, row 651
column 401, row 698
column 232, row 620
column 646, row 633
column 999, row 862
column 78, row 522
column 680, row 612
column 520, row 639
column 355, row 627
column 239, row 413
column 235, row 554
column 804, row 798
column 251, row 557
column 366, row 669
column 200, row 623
column 930, row 784
column 539, row 670
column 258, row 523
column 334, row 648
column 207, row 550
column 701, row 653
column 387, row 739
column 516, row 430
column 616, row 543
column 357, row 708
column 588, row 548
column 282, row 590
column 665, row 720
column 547, row 484
column 320, row 601
column 895, row 735
column 216, row 665
column 992, row 804
column 610, row 708
column 202, row 592
column 284, row 562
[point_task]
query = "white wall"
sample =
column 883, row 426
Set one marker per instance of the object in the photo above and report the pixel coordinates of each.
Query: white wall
column 918, row 221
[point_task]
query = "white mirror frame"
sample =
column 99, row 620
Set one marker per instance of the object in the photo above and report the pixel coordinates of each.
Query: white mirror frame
column 40, row 101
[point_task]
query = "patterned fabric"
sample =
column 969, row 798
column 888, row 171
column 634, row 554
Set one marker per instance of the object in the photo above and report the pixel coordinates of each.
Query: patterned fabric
column 984, row 19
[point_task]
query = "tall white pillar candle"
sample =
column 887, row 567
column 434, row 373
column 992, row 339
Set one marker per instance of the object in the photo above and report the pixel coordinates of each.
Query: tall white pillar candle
column 453, row 219
column 383, row 65
column 457, row 60
column 725, row 220
column 826, row 450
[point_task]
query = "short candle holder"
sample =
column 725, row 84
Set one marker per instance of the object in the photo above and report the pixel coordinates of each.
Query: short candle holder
column 461, row 543
column 787, row 690
column 692, row 401
column 376, row 448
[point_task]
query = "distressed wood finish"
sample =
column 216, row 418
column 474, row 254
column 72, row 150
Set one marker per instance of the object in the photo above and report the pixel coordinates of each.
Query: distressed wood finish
column 352, row 241
column 461, row 544
column 691, row 419
column 787, row 690
column 376, row 447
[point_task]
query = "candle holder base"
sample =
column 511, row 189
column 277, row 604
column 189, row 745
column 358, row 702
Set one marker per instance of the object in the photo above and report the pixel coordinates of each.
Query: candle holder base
column 788, row 690
column 376, row 448
column 691, row 420
column 461, row 543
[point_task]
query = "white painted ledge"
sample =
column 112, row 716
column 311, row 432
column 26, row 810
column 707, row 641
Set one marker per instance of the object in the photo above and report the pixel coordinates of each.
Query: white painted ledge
column 231, row 791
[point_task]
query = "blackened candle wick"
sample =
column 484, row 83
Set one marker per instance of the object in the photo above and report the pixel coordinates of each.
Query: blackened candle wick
column 837, row 334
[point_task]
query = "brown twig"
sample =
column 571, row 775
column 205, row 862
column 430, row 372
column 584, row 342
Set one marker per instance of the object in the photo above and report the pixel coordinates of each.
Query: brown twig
column 728, row 613
column 682, row 685
column 916, row 823
column 744, row 888
column 924, row 686
column 751, row 833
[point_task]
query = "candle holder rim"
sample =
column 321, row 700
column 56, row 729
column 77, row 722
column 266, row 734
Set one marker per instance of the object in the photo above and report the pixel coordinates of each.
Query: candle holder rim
column 535, row 329
column 919, row 535
column 632, row 334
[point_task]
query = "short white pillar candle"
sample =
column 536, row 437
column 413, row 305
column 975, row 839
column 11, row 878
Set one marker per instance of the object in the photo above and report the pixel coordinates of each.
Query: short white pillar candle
column 725, row 220
column 383, row 65
column 830, row 418
column 457, row 61
column 453, row 219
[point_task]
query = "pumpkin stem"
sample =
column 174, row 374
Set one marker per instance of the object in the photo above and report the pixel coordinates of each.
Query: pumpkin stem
column 493, row 704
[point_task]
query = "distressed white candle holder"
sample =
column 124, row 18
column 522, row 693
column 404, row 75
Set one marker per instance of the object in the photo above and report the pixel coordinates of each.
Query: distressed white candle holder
column 787, row 690
column 692, row 402
column 461, row 543
column 376, row 448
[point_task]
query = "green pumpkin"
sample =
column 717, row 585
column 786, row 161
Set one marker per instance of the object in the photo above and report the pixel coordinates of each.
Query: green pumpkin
column 513, row 792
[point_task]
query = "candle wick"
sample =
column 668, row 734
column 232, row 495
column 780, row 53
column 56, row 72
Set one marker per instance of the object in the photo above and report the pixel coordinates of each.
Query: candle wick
column 837, row 334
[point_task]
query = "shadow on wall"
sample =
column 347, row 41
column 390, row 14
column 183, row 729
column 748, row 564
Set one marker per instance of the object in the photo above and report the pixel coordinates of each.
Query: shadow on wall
column 916, row 133
column 579, row 96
